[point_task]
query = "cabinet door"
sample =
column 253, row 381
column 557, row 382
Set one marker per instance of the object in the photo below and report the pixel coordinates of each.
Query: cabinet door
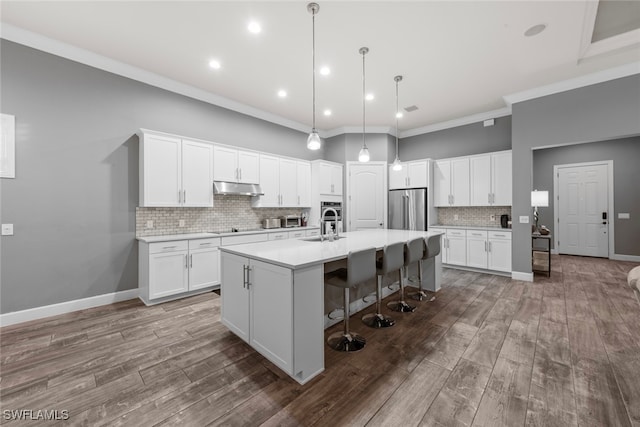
column 272, row 313
column 235, row 295
column 225, row 164
column 270, row 181
column 443, row 243
column 168, row 274
column 161, row 180
column 477, row 249
column 288, row 183
column 501, row 179
column 326, row 185
column 398, row 179
column 303, row 176
column 204, row 268
column 417, row 173
column 480, row 173
column 460, row 182
column 197, row 174
column 336, row 179
column 442, row 183
column 500, row 255
column 457, row 250
column 248, row 167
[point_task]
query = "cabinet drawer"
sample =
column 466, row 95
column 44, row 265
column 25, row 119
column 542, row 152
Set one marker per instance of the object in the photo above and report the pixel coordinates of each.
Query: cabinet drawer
column 297, row 234
column 505, row 235
column 204, row 243
column 477, row 233
column 313, row 232
column 279, row 236
column 460, row 233
column 247, row 238
column 172, row 246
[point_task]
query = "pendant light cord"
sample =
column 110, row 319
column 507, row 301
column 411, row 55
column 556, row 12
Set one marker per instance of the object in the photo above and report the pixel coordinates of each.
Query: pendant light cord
column 313, row 61
column 397, row 80
column 364, row 144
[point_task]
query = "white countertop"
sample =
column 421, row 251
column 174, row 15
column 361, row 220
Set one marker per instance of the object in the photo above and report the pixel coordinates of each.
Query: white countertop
column 300, row 253
column 191, row 236
column 472, row 227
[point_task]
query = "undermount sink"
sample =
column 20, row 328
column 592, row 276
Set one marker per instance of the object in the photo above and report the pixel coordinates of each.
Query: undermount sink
column 319, row 239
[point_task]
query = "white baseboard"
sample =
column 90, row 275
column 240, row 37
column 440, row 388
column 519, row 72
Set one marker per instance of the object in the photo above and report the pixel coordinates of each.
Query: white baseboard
column 632, row 258
column 525, row 277
column 65, row 307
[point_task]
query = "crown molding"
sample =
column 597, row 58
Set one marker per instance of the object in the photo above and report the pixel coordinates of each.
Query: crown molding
column 357, row 129
column 575, row 83
column 461, row 121
column 83, row 56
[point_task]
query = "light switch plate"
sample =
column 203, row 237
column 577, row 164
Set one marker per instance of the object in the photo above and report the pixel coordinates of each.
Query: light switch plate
column 7, row 229
column 150, row 223
column 524, row 219
column 181, row 223
column 623, row 215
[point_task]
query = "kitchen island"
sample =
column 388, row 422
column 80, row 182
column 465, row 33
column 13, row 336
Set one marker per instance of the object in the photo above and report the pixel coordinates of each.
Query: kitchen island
column 273, row 292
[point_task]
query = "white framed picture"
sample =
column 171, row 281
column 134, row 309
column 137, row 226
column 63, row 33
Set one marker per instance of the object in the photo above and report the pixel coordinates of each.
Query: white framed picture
column 7, row 146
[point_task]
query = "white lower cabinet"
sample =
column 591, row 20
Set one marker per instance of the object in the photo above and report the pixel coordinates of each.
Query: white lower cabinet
column 174, row 269
column 297, row 234
column 481, row 249
column 282, row 235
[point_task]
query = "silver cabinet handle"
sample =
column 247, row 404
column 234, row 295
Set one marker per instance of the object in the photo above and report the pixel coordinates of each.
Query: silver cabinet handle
column 249, row 269
column 237, row 177
column 205, row 244
column 169, row 247
column 244, row 276
column 489, row 198
column 298, row 199
column 186, row 261
column 191, row 261
column 184, row 198
column 179, row 196
column 485, row 246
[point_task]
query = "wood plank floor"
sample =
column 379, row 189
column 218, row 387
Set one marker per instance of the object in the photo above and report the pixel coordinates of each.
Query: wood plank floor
column 489, row 351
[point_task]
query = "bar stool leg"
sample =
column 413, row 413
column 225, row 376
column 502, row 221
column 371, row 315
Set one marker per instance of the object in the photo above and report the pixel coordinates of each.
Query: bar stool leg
column 346, row 340
column 377, row 320
column 401, row 306
column 421, row 295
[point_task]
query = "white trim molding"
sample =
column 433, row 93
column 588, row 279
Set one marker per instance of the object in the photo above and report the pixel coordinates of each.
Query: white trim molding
column 620, row 257
column 15, row 317
column 461, row 121
column 519, row 275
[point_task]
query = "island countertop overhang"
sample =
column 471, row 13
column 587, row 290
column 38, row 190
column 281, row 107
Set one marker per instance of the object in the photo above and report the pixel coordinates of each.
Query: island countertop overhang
column 301, row 253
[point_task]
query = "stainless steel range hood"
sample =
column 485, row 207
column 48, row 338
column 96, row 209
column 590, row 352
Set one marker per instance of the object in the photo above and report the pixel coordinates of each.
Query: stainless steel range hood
column 222, row 187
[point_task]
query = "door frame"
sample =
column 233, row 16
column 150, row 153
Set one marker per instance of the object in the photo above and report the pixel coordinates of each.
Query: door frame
column 610, row 206
column 385, row 184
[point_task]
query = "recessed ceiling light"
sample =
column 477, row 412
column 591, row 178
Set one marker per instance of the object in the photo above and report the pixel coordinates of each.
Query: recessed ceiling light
column 282, row 93
column 399, row 114
column 535, row 30
column 325, row 71
column 215, row 64
column 369, row 97
column 327, row 112
column 254, row 27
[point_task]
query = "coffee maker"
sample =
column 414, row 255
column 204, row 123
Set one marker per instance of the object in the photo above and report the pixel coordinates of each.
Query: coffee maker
column 504, row 221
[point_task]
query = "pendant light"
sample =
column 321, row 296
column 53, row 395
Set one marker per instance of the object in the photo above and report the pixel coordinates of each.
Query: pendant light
column 363, row 156
column 313, row 141
column 397, row 166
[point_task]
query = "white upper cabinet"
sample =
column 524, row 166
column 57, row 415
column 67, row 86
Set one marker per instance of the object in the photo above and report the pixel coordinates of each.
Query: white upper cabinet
column 491, row 179
column 233, row 165
column 284, row 182
column 451, row 182
column 175, row 172
column 330, row 179
column 412, row 175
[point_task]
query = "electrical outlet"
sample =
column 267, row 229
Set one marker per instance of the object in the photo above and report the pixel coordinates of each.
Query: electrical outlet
column 7, row 229
column 181, row 223
column 492, row 217
column 455, row 217
column 150, row 224
column 524, row 219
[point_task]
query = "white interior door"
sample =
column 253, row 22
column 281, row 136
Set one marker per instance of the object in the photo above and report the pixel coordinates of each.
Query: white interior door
column 583, row 194
column 366, row 204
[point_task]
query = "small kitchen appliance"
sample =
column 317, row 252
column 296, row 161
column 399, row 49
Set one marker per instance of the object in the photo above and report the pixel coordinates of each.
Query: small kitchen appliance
column 271, row 223
column 504, row 221
column 289, row 221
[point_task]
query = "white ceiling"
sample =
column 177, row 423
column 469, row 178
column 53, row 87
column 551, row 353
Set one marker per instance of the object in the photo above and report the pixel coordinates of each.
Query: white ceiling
column 457, row 58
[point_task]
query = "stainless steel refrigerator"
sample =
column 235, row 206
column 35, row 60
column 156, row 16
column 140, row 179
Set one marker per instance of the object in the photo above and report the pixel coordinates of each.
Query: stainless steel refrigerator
column 408, row 209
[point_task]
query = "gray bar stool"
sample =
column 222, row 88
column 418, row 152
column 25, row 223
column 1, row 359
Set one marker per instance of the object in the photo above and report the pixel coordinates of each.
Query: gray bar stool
column 413, row 250
column 361, row 266
column 392, row 260
column 431, row 249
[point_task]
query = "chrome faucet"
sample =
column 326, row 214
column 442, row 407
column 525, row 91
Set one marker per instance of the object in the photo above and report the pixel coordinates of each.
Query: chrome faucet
column 335, row 221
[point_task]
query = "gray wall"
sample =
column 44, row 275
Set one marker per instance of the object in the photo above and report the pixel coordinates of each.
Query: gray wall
column 459, row 141
column 593, row 113
column 76, row 188
column 625, row 154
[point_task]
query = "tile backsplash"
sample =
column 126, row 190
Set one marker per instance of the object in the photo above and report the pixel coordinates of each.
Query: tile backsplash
column 227, row 212
column 472, row 216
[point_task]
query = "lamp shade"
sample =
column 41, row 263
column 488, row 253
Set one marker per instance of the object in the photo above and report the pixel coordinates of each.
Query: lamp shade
column 540, row 199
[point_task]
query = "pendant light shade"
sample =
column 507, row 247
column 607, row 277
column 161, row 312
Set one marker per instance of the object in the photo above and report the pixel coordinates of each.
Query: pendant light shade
column 397, row 166
column 313, row 141
column 363, row 156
